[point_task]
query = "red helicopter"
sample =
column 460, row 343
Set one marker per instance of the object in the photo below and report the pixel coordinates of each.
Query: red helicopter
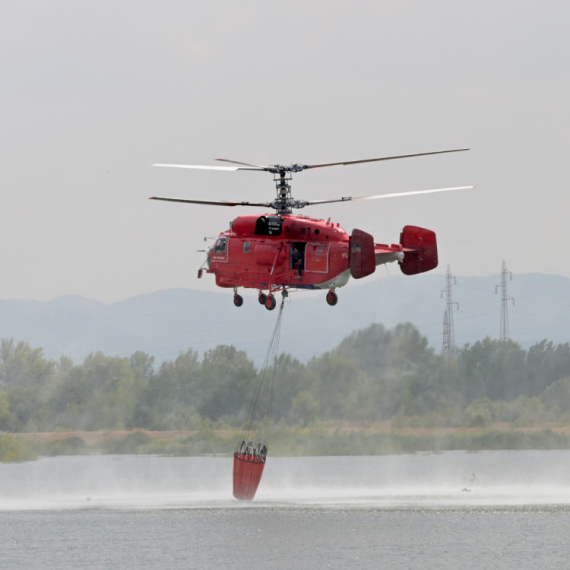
column 281, row 251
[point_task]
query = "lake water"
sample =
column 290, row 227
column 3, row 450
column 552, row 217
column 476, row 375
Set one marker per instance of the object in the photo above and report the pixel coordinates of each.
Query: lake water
column 443, row 511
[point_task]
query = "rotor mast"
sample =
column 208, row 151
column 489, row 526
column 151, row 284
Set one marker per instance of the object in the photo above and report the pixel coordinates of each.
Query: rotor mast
column 284, row 203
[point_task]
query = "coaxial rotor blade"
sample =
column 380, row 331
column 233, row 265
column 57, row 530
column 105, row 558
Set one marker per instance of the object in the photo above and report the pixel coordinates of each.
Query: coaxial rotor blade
column 242, row 163
column 214, row 203
column 395, row 195
column 199, row 167
column 306, row 166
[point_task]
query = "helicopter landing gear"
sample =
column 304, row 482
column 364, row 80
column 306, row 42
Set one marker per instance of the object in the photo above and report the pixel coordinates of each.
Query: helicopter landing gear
column 238, row 299
column 332, row 298
column 262, row 298
column 270, row 303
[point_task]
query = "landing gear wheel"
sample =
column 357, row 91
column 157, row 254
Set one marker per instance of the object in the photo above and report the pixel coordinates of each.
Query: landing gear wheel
column 238, row 300
column 270, row 303
column 332, row 298
column 262, row 298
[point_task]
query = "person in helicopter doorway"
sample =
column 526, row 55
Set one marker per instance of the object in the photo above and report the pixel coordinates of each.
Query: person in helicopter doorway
column 297, row 261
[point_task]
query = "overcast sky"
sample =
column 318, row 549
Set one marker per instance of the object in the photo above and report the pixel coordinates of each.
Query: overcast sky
column 93, row 93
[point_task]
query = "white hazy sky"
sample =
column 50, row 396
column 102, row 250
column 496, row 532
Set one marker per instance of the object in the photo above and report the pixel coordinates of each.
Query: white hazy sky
column 93, row 93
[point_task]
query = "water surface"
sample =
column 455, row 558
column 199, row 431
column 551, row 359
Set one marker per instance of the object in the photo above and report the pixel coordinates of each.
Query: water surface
column 450, row 510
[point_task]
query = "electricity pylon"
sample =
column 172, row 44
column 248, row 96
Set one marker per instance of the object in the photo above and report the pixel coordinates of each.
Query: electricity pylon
column 448, row 348
column 505, row 298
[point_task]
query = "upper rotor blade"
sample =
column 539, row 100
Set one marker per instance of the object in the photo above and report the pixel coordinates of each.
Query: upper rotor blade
column 242, row 163
column 213, row 203
column 306, row 166
column 199, row 167
column 395, row 195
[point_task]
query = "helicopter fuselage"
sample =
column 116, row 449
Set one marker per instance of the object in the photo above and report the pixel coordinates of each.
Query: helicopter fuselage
column 273, row 253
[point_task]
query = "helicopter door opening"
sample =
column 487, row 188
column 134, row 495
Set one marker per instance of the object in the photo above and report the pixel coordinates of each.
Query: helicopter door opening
column 298, row 256
column 317, row 257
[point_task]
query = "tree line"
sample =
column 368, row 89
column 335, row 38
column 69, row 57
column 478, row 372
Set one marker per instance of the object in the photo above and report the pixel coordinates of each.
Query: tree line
column 376, row 374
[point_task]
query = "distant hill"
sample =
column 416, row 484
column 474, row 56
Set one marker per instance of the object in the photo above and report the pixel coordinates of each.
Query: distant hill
column 167, row 322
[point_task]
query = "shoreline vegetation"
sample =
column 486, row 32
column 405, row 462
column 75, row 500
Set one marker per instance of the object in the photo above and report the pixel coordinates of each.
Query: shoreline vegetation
column 286, row 441
column 380, row 391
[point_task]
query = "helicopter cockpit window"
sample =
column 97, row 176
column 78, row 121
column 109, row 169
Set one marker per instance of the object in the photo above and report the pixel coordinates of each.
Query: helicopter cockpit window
column 221, row 245
column 268, row 226
column 246, row 246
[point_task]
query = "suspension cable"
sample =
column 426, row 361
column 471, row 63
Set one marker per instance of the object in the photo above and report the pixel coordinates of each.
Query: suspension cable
column 259, row 419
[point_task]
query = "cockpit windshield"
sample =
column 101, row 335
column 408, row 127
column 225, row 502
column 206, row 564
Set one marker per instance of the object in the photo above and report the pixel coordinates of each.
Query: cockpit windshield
column 221, row 245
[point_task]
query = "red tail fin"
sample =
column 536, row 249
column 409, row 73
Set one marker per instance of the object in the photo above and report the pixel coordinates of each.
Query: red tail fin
column 362, row 259
column 424, row 255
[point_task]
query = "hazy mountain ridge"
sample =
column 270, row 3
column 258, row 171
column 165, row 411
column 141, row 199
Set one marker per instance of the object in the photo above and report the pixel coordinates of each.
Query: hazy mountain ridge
column 164, row 323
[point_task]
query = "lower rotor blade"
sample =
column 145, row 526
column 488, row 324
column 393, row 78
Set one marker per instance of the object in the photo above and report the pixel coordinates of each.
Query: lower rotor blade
column 212, row 203
column 395, row 195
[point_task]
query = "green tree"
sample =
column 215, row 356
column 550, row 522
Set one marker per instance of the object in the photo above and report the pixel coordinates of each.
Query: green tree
column 304, row 409
column 171, row 394
column 291, row 377
column 494, row 369
column 227, row 382
column 26, row 409
column 4, row 411
column 21, row 365
column 557, row 396
column 98, row 394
